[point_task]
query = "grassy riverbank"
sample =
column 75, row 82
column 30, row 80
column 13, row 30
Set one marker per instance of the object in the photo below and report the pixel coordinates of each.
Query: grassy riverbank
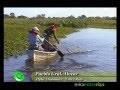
column 15, row 30
column 16, row 41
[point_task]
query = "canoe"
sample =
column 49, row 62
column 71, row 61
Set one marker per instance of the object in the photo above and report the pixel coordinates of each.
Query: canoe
column 37, row 55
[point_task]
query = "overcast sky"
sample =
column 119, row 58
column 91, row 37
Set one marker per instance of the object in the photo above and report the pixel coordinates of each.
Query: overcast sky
column 62, row 12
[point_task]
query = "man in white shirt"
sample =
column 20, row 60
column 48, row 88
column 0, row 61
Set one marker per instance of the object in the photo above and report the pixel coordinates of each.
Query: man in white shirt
column 35, row 40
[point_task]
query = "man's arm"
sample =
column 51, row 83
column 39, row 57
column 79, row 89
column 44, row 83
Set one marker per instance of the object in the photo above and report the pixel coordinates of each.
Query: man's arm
column 41, row 39
column 55, row 37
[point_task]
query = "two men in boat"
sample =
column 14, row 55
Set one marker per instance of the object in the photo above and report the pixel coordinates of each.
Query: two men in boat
column 38, row 43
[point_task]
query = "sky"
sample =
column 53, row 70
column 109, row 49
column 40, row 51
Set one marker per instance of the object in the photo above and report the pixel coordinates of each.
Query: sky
column 62, row 12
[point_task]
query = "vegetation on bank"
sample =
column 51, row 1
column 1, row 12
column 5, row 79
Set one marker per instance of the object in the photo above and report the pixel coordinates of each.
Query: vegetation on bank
column 16, row 41
column 16, row 29
column 76, row 23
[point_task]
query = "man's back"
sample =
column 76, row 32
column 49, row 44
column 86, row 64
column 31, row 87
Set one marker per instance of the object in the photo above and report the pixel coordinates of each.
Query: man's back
column 34, row 40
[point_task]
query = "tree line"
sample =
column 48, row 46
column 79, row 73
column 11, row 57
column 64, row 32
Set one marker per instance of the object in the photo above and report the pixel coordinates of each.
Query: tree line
column 12, row 15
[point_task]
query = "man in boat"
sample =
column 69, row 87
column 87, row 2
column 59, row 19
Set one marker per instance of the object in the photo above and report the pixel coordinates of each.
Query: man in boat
column 48, row 33
column 35, row 40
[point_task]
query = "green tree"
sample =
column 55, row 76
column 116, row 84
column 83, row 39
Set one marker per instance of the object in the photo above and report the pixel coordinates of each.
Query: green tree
column 6, row 16
column 43, row 15
column 21, row 16
column 12, row 15
column 83, row 16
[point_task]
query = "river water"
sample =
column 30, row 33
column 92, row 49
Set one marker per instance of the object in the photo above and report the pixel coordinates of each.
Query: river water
column 89, row 49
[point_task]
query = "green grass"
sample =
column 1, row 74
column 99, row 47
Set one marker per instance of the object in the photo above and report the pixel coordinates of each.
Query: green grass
column 78, row 23
column 15, row 30
column 101, row 23
column 16, row 41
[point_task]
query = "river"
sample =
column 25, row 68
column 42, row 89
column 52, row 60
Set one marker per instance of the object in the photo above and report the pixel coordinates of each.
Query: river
column 89, row 49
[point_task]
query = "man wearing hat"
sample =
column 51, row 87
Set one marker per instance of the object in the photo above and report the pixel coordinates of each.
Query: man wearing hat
column 35, row 40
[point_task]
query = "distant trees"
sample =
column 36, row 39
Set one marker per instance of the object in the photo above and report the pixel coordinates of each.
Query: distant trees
column 6, row 16
column 112, row 18
column 49, row 17
column 12, row 15
column 43, row 15
column 71, row 16
column 21, row 16
column 82, row 16
column 98, row 17
column 40, row 16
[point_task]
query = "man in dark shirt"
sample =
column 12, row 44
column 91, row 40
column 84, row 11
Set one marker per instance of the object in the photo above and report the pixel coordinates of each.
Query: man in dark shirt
column 48, row 34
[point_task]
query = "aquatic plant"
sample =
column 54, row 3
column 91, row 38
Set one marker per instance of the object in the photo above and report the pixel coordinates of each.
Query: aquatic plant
column 15, row 30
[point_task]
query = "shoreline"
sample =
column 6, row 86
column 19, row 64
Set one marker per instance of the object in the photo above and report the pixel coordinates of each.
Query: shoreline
column 15, row 31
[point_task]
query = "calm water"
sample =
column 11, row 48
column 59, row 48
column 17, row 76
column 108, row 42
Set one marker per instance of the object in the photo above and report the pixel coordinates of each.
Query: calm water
column 88, row 49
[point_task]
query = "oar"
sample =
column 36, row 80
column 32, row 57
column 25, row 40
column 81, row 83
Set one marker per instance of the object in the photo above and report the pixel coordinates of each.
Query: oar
column 58, row 51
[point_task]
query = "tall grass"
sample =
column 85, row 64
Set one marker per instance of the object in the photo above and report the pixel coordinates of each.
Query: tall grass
column 77, row 23
column 101, row 23
column 16, row 40
column 15, row 30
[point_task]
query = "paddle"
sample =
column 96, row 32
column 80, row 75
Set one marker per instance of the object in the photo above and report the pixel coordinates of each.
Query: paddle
column 58, row 51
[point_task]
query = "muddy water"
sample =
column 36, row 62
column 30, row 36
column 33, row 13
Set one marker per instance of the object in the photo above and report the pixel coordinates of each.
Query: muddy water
column 88, row 49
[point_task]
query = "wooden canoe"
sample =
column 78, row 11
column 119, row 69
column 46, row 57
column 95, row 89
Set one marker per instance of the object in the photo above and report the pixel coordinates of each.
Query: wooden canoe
column 37, row 55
